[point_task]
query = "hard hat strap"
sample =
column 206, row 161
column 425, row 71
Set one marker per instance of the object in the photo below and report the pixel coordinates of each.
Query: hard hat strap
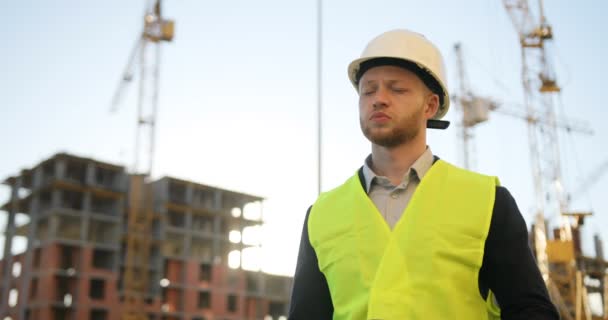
column 437, row 124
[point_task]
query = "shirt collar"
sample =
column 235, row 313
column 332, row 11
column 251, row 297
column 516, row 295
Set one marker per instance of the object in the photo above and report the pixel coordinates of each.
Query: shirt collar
column 419, row 168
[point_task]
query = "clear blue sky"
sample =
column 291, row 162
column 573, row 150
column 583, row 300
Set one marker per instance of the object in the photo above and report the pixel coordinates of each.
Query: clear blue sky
column 238, row 93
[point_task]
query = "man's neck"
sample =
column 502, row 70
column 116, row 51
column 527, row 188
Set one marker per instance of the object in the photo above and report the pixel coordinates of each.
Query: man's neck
column 393, row 163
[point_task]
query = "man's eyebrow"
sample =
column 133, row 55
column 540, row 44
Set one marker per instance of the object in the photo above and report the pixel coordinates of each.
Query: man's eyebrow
column 368, row 81
column 389, row 81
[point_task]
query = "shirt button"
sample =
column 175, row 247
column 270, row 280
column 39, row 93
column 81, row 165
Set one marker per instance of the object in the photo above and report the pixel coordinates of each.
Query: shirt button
column 394, row 195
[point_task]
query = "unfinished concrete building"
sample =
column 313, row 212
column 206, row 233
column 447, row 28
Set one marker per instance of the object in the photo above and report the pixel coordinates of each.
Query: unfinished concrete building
column 83, row 256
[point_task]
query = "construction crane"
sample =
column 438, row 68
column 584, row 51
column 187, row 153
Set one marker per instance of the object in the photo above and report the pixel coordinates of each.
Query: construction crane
column 560, row 260
column 138, row 242
column 475, row 109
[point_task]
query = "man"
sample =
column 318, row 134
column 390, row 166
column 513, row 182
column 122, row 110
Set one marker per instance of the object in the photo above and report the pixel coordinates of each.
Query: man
column 410, row 236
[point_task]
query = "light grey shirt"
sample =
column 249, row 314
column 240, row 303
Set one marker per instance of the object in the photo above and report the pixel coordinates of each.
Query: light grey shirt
column 392, row 200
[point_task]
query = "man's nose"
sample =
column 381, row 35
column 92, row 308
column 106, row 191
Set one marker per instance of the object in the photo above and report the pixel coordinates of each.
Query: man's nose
column 380, row 99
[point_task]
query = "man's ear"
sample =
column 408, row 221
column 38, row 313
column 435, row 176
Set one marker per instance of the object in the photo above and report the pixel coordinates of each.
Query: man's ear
column 431, row 106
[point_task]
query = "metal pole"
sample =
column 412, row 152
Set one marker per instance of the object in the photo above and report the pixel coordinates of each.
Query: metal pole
column 319, row 92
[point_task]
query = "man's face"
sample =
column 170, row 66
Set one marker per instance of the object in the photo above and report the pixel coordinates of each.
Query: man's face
column 394, row 105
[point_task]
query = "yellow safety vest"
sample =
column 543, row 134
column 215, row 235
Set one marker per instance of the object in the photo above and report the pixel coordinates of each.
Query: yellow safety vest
column 427, row 267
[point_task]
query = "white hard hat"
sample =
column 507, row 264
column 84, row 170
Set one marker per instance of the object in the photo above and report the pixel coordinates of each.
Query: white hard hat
column 409, row 50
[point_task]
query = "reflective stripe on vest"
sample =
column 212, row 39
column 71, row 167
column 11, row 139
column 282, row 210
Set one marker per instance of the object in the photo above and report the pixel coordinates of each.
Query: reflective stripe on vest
column 427, row 267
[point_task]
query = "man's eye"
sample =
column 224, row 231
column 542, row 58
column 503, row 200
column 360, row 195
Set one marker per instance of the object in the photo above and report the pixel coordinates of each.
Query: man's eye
column 368, row 92
column 399, row 90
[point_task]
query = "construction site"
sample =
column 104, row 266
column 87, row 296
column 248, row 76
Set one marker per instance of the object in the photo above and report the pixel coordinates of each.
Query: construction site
column 105, row 241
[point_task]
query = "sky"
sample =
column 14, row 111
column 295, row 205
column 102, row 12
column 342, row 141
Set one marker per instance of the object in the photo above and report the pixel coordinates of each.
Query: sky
column 238, row 95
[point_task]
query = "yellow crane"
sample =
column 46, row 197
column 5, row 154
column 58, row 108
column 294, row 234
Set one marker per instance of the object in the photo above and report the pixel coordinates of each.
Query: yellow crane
column 560, row 260
column 140, row 211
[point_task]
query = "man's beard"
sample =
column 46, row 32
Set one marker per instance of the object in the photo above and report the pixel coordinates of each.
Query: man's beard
column 404, row 132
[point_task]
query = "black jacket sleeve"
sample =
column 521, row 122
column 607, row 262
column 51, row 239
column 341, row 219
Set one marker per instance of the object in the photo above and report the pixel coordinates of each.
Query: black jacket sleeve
column 310, row 297
column 509, row 268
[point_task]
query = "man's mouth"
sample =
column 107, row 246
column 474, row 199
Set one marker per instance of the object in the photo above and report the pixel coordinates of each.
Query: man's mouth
column 379, row 116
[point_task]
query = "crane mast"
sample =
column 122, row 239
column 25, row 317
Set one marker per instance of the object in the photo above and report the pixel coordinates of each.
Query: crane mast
column 145, row 57
column 539, row 88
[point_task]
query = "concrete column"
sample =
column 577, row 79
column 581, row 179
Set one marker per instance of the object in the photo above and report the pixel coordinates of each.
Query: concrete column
column 241, row 228
column 218, row 256
column 217, row 200
column 37, row 178
column 188, row 220
column 189, row 193
column 187, row 248
column 56, row 199
column 85, row 216
column 53, row 227
column 259, row 245
column 84, row 231
column 121, row 182
column 89, row 178
column 29, row 252
column 60, row 169
column 216, row 244
column 7, row 260
column 161, row 191
column 187, row 233
column 121, row 205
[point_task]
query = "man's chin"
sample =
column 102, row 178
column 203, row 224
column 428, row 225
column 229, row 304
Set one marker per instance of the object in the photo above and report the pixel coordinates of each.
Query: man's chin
column 387, row 141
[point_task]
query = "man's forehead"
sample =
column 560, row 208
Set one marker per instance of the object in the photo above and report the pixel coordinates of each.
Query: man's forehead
column 389, row 73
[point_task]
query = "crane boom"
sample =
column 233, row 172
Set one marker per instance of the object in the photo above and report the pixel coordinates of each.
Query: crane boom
column 127, row 76
column 568, row 125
